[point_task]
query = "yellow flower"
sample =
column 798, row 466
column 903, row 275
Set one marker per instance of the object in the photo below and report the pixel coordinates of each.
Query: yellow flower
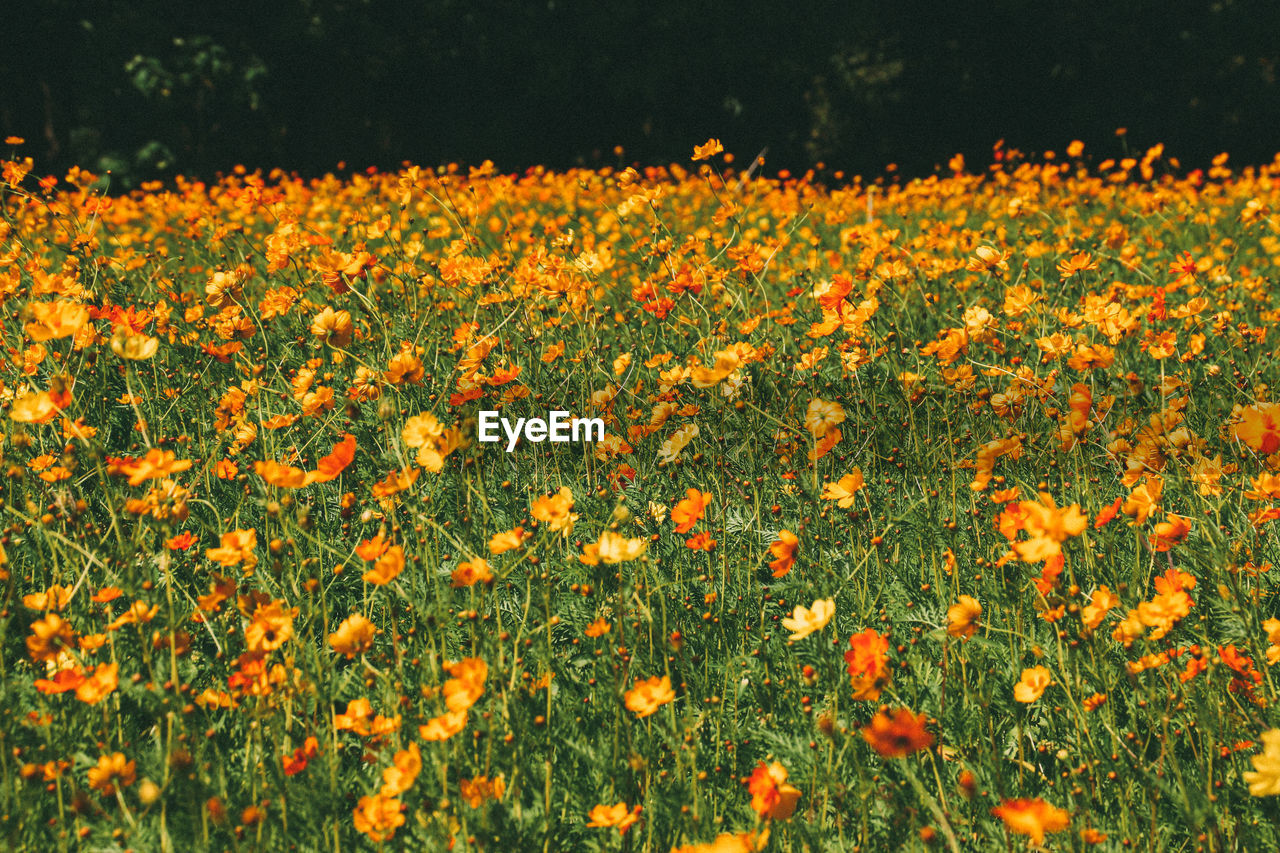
column 133, row 347
column 403, row 772
column 804, row 621
column 332, row 327
column 421, row 430
column 1264, row 779
column 822, row 416
column 615, row 548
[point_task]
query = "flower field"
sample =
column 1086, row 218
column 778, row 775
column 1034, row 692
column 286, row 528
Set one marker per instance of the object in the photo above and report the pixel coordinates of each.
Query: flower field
column 929, row 514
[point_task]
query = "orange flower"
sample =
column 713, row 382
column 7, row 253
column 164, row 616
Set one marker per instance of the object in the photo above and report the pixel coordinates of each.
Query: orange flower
column 353, row 637
column 57, row 319
column 156, row 464
column 50, row 637
column 1048, row 527
column 804, row 621
column 355, row 718
column 1096, row 610
column 771, row 796
column 181, row 542
column 707, row 150
column 687, row 512
column 1032, row 685
column 395, row 482
column 1259, row 427
column 279, row 475
column 403, row 772
column 897, row 735
column 1079, row 262
column 96, row 687
column 63, row 681
column 845, row 490
column 700, row 541
column 378, row 817
column 467, row 685
column 112, row 770
column 1032, row 817
column 329, row 467
column 53, row 598
column 237, row 547
column 822, row 417
column 784, row 552
column 1107, row 514
column 598, row 628
column 1170, row 532
column 297, row 762
column 475, row 570
column 506, row 541
column 332, row 327
column 728, row 842
column 617, row 815
column 868, row 664
column 555, row 511
column 476, row 791
column 443, row 727
column 962, row 617
column 649, row 695
column 386, row 568
column 270, row 627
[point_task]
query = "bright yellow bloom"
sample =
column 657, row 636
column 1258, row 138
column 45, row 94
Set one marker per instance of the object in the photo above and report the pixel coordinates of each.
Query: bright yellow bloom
column 804, row 621
column 1264, row 778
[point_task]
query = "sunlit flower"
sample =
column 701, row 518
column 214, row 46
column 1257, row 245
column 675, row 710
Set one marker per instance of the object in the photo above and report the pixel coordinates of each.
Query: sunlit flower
column 1264, row 779
column 822, row 416
column 804, row 621
column 707, row 150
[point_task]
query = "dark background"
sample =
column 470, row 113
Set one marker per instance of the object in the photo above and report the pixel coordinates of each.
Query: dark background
column 150, row 88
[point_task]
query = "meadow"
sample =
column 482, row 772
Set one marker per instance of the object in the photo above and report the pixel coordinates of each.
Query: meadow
column 929, row 514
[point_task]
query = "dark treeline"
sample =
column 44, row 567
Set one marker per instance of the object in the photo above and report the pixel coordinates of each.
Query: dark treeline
column 148, row 88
